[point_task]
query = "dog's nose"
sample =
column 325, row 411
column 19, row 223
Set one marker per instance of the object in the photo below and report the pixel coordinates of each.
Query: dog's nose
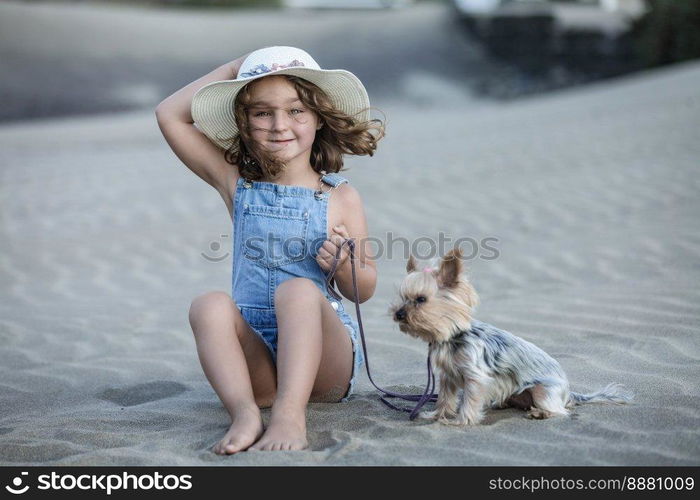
column 400, row 315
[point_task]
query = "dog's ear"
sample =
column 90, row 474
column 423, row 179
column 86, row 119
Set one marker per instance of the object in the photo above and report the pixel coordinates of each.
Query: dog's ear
column 450, row 268
column 411, row 264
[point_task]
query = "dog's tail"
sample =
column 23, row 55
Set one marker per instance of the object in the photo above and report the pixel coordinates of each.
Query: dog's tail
column 611, row 393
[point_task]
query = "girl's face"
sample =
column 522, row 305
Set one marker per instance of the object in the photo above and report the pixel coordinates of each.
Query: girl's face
column 279, row 121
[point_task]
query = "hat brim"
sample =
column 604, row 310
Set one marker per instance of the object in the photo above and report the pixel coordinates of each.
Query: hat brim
column 213, row 104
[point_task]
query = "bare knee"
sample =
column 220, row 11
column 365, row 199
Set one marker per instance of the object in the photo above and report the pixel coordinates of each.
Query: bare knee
column 213, row 305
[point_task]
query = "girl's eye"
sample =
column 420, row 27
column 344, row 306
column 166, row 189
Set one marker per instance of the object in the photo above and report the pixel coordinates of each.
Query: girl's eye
column 420, row 299
column 297, row 111
column 261, row 113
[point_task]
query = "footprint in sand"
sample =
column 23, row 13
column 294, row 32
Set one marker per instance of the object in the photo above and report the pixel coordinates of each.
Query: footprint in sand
column 142, row 393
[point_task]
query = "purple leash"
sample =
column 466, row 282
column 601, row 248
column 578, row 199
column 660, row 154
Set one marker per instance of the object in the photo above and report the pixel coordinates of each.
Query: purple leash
column 421, row 399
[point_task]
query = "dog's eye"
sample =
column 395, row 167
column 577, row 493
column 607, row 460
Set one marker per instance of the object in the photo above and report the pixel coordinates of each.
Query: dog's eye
column 420, row 299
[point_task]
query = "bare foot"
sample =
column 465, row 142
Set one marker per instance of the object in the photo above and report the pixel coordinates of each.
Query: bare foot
column 245, row 428
column 286, row 431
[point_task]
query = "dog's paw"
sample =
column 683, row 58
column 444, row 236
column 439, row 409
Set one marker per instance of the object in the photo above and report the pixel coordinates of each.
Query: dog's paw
column 473, row 421
column 459, row 422
column 452, row 421
column 538, row 414
column 428, row 415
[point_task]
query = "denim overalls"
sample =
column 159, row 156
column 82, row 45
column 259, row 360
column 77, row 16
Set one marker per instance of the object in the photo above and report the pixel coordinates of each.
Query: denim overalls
column 278, row 231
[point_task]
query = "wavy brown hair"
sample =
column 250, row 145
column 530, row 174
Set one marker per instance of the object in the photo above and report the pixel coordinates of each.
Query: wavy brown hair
column 341, row 134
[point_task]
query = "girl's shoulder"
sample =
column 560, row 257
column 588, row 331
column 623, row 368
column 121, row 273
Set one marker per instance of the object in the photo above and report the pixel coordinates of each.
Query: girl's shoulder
column 347, row 196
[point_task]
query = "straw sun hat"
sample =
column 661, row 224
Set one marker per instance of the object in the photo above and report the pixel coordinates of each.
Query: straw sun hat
column 212, row 105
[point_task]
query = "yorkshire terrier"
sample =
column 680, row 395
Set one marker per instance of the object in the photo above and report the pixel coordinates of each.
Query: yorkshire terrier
column 491, row 367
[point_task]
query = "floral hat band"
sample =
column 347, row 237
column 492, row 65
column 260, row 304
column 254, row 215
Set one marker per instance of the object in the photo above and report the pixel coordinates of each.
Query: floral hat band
column 213, row 104
column 261, row 68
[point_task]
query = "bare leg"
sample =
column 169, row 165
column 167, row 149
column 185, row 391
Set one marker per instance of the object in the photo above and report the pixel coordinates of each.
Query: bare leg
column 237, row 365
column 314, row 358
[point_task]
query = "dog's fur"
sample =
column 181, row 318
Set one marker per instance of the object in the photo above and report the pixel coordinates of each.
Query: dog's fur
column 489, row 366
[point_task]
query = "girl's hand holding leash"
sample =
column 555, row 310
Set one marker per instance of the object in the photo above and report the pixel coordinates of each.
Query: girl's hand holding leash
column 327, row 251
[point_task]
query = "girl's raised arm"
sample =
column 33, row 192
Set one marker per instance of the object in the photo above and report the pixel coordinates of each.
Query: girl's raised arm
column 190, row 145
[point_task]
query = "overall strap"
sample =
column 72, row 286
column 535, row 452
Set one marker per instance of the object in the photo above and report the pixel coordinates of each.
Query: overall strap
column 333, row 179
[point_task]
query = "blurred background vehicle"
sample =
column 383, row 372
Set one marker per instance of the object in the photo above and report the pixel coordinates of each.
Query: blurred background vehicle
column 539, row 34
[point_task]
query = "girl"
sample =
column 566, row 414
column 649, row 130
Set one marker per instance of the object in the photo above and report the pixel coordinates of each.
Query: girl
column 268, row 131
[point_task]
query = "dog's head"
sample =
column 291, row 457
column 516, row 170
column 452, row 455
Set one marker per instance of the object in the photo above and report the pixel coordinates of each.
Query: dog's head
column 435, row 304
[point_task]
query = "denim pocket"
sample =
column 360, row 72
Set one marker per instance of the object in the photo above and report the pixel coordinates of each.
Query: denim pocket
column 274, row 236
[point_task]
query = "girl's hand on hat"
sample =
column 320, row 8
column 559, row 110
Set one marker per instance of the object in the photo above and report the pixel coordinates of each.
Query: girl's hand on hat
column 236, row 65
column 327, row 252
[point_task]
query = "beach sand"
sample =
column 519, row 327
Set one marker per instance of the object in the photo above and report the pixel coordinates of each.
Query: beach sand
column 591, row 193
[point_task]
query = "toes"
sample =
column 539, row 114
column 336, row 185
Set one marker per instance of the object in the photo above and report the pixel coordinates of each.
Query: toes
column 258, row 446
column 272, row 446
column 227, row 447
column 219, row 448
column 234, row 446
